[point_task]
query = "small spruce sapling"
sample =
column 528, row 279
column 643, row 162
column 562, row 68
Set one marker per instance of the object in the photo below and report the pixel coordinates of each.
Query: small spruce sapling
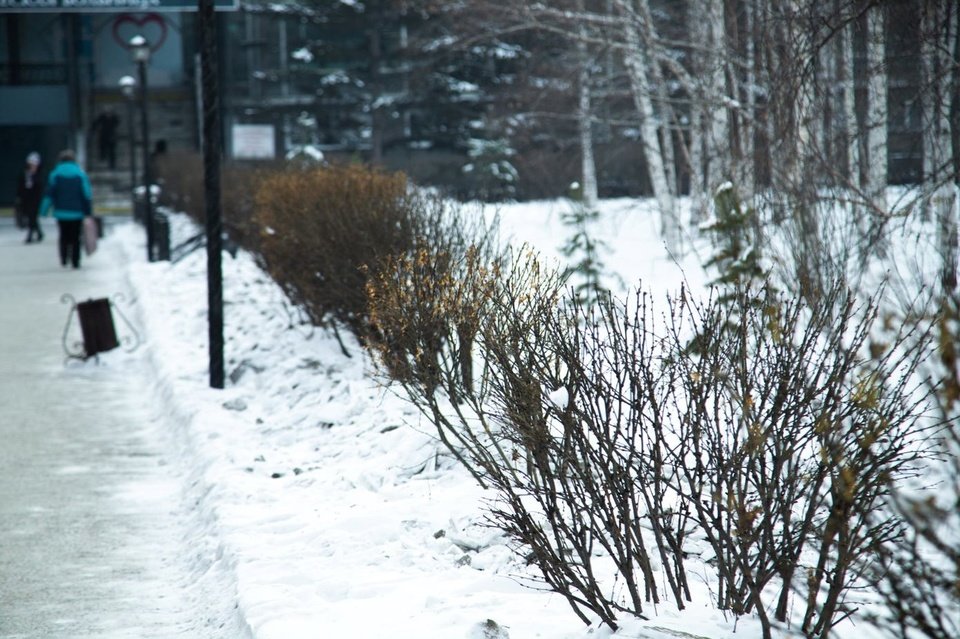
column 737, row 261
column 737, row 257
column 492, row 171
column 585, row 267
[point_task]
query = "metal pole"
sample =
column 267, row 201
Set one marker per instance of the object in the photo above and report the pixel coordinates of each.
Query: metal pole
column 77, row 139
column 211, row 187
column 145, row 138
column 133, row 158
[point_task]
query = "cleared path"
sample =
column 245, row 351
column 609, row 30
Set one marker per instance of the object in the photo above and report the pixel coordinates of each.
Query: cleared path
column 96, row 536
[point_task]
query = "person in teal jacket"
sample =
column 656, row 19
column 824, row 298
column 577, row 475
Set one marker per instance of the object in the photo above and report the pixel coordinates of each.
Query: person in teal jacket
column 69, row 194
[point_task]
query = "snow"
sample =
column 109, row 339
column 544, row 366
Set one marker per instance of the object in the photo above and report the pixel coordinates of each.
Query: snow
column 336, row 511
column 559, row 397
column 303, row 54
column 308, row 151
column 336, row 77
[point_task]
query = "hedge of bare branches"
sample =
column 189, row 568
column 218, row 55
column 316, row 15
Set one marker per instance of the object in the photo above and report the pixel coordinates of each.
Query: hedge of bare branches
column 919, row 578
column 322, row 230
column 621, row 440
column 180, row 176
column 611, row 443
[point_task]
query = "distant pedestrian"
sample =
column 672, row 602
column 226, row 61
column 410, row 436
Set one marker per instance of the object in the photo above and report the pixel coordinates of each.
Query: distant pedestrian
column 29, row 196
column 69, row 194
column 105, row 127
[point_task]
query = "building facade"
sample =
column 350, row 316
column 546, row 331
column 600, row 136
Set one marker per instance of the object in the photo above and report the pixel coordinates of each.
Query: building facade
column 60, row 66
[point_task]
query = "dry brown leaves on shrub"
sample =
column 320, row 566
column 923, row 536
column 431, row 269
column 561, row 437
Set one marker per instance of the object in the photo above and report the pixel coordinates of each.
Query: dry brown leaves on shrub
column 322, row 230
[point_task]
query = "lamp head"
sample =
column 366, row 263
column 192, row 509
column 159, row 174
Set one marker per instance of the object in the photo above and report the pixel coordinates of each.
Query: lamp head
column 140, row 49
column 128, row 86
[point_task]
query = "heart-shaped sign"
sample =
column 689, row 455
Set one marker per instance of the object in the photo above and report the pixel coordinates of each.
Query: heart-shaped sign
column 151, row 26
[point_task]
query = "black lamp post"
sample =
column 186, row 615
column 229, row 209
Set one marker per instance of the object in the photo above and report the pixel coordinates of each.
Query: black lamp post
column 141, row 55
column 128, row 86
column 211, row 185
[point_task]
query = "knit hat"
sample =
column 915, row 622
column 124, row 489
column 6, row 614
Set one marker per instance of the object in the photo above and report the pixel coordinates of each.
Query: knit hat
column 33, row 158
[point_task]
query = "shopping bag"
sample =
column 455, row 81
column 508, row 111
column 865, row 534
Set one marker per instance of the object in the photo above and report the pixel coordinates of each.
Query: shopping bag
column 90, row 233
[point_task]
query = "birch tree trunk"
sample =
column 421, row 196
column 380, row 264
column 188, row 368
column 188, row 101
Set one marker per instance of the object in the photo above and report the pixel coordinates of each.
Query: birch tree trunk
column 716, row 107
column 938, row 38
column 797, row 101
column 666, row 111
column 826, row 91
column 698, row 138
column 636, row 62
column 849, row 127
column 748, row 136
column 877, row 111
column 805, row 130
column 951, row 239
column 588, row 166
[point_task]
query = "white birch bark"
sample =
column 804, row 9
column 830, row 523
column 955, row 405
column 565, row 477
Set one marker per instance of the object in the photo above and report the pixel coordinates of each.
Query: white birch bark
column 588, row 166
column 717, row 116
column 666, row 111
column 823, row 122
column 636, row 63
column 804, row 121
column 698, row 195
column 877, row 108
column 849, row 128
column 747, row 134
column 698, row 191
column 666, row 136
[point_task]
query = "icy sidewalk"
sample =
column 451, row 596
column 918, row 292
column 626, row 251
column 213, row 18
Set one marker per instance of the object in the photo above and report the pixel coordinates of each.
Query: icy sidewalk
column 97, row 529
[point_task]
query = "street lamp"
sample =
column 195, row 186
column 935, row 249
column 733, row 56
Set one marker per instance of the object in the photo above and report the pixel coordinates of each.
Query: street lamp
column 128, row 86
column 211, row 185
column 140, row 49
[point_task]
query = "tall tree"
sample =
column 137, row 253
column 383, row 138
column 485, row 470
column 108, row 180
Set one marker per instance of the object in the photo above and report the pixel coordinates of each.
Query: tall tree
column 637, row 60
column 849, row 123
column 588, row 165
column 717, row 99
column 939, row 42
column 877, row 111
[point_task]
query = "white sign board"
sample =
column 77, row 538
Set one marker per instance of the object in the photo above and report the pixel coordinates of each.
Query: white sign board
column 253, row 142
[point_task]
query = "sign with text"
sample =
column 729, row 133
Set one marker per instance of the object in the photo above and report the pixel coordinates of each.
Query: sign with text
column 84, row 6
column 253, row 142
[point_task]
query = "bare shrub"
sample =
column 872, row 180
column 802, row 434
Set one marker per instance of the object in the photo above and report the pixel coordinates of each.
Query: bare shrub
column 575, row 394
column 609, row 442
column 427, row 304
column 180, row 176
column 566, row 476
column 919, row 578
column 428, row 308
column 794, row 437
column 322, row 230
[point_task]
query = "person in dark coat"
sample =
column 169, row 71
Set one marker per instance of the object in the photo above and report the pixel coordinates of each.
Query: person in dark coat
column 105, row 126
column 29, row 195
column 69, row 194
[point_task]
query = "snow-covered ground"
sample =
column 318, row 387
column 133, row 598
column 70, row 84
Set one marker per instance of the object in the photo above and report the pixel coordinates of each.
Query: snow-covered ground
column 337, row 512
